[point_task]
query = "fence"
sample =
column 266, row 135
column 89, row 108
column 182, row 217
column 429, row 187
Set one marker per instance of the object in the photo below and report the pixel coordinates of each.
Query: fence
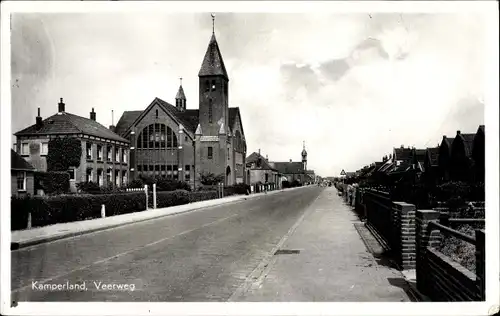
column 438, row 276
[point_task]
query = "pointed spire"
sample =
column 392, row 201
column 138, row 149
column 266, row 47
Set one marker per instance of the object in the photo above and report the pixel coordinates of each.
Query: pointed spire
column 198, row 130
column 180, row 93
column 213, row 64
column 213, row 23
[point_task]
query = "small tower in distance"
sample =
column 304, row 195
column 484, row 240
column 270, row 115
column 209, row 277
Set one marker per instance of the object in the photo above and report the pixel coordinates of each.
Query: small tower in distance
column 304, row 157
column 180, row 98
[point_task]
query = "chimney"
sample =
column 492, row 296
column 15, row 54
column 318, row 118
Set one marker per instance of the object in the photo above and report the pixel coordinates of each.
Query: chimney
column 458, row 132
column 39, row 122
column 402, row 146
column 112, row 128
column 267, row 158
column 290, row 160
column 92, row 115
column 61, row 106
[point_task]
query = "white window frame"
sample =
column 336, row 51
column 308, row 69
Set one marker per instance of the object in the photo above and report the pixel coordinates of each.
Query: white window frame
column 24, row 181
column 27, row 152
column 91, row 150
column 74, row 173
column 91, row 175
column 42, row 152
column 100, row 153
column 124, row 154
column 117, row 154
column 109, row 153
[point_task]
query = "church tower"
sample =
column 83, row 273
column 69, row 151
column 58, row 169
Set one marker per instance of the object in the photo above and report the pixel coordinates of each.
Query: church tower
column 211, row 137
column 180, row 99
column 304, row 157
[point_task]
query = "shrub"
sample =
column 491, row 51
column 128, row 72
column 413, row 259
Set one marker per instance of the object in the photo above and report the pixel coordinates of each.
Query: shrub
column 172, row 198
column 209, row 178
column 88, row 187
column 296, row 183
column 286, row 185
column 163, row 184
column 53, row 182
column 240, row 188
column 135, row 184
column 202, row 196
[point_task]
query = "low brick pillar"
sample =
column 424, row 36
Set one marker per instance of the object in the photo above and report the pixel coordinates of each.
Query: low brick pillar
column 426, row 237
column 406, row 234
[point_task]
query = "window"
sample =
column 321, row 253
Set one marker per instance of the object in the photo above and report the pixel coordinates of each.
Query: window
column 207, row 86
column 185, row 138
column 124, row 177
column 108, row 154
column 117, row 177
column 108, row 176
column 228, row 154
column 156, row 113
column 210, row 111
column 187, row 167
column 157, row 136
column 187, row 177
column 267, row 177
column 89, row 150
column 45, row 148
column 210, row 152
column 100, row 177
column 71, row 172
column 139, row 167
column 25, row 149
column 124, row 155
column 213, row 85
column 99, row 152
column 151, row 167
column 88, row 175
column 117, row 154
column 21, row 181
column 157, row 167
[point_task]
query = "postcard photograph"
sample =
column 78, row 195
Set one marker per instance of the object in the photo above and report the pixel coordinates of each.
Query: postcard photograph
column 226, row 156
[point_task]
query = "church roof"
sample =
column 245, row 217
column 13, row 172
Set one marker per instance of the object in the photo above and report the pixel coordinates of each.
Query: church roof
column 189, row 118
column 18, row 163
column 289, row 167
column 180, row 94
column 213, row 64
column 65, row 123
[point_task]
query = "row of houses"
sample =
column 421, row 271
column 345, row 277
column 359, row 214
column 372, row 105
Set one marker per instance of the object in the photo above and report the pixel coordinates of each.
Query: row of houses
column 458, row 158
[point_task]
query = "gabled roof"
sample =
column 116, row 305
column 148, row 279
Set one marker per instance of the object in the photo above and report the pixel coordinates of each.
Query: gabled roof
column 433, row 155
column 213, row 64
column 260, row 162
column 288, row 167
column 66, row 123
column 18, row 163
column 128, row 117
column 468, row 141
column 420, row 154
column 402, row 153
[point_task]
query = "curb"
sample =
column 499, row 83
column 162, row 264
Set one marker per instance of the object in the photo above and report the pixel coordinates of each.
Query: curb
column 24, row 244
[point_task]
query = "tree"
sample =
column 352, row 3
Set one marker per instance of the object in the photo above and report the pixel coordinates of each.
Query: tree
column 64, row 153
column 208, row 178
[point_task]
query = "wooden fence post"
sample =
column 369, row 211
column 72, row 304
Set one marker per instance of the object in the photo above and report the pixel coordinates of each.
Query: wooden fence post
column 154, row 195
column 146, row 191
column 481, row 263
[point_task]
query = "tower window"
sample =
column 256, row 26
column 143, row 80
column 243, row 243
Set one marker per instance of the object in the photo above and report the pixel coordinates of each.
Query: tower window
column 210, row 111
column 210, row 152
column 207, row 86
column 213, row 85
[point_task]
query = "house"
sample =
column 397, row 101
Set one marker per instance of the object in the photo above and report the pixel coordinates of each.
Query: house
column 260, row 171
column 444, row 157
column 183, row 144
column 478, row 154
column 104, row 157
column 402, row 154
column 293, row 170
column 461, row 162
column 22, row 175
column 431, row 165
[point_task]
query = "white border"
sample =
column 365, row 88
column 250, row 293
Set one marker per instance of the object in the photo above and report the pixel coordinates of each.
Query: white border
column 489, row 8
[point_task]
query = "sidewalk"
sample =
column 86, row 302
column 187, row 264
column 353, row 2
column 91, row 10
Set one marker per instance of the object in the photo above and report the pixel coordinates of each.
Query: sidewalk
column 39, row 235
column 333, row 263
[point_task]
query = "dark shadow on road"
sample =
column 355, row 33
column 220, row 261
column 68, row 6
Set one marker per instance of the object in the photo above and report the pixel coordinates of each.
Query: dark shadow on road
column 402, row 284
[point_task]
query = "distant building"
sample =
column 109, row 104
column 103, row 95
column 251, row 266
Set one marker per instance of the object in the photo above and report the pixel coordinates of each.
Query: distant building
column 22, row 175
column 431, row 165
column 259, row 170
column 461, row 162
column 444, row 158
column 182, row 144
column 295, row 170
column 478, row 154
column 104, row 157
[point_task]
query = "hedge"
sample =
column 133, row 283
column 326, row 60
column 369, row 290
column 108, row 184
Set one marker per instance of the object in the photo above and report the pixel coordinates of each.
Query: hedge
column 202, row 196
column 240, row 188
column 53, row 182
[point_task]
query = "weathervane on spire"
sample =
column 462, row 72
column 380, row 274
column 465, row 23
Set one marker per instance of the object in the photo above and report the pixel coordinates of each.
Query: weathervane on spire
column 304, row 144
column 213, row 23
column 180, row 78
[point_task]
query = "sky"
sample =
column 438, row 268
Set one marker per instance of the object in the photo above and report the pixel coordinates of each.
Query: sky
column 352, row 86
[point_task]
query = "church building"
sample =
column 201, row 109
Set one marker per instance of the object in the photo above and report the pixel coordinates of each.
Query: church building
column 182, row 144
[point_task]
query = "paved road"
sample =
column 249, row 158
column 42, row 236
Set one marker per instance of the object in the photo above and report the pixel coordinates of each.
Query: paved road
column 198, row 256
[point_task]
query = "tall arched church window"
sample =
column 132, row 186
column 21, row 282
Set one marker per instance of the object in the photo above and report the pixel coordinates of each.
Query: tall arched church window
column 210, row 110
